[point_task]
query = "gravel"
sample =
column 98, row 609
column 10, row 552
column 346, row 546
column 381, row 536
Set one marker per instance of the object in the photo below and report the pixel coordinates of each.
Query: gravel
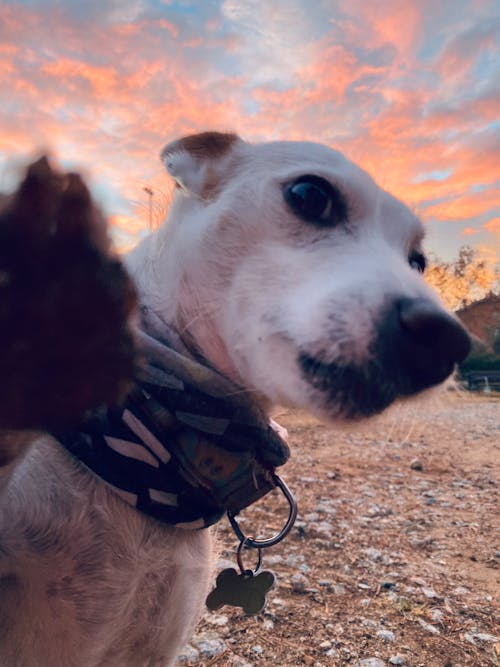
column 393, row 564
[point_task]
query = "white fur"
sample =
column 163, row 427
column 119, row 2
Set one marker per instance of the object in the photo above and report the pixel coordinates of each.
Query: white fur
column 85, row 580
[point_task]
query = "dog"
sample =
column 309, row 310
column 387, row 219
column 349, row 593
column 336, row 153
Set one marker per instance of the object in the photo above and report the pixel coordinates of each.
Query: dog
column 284, row 267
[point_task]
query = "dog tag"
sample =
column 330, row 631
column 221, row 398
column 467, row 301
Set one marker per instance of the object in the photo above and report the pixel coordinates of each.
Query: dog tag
column 247, row 590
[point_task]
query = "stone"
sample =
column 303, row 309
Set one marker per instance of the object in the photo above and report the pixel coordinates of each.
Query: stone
column 188, row 656
column 339, row 589
column 436, row 615
column 272, row 559
column 332, row 653
column 300, row 583
column 219, row 620
column 324, row 583
column 323, row 528
column 429, row 593
column 388, row 585
column 238, row 661
column 397, row 660
column 429, row 627
column 416, row 464
column 373, row 554
column 461, row 590
column 370, row 662
column 386, row 635
column 210, row 648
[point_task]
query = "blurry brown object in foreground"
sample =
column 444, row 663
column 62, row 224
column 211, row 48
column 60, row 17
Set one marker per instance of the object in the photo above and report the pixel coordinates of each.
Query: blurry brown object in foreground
column 66, row 344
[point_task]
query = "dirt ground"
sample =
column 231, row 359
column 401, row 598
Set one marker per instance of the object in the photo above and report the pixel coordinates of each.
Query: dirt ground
column 394, row 559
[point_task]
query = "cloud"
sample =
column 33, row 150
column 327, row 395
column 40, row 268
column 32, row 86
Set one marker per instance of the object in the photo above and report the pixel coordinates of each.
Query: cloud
column 409, row 89
column 275, row 38
column 493, row 225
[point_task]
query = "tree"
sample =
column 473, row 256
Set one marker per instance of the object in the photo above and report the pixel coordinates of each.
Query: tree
column 468, row 278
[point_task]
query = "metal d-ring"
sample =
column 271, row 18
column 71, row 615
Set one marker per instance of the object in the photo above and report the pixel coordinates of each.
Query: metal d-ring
column 249, row 542
column 244, row 571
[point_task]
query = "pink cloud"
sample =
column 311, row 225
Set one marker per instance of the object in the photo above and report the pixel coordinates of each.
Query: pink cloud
column 493, row 226
column 107, row 95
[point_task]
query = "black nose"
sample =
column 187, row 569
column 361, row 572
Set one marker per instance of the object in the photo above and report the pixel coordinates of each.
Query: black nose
column 425, row 341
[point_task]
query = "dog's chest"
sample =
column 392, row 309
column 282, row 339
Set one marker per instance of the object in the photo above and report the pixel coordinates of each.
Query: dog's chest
column 111, row 580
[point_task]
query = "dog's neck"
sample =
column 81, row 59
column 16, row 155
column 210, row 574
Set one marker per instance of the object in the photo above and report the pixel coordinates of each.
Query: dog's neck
column 158, row 272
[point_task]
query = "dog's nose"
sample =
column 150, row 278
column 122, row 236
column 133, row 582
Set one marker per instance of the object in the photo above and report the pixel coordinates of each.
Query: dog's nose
column 430, row 341
column 430, row 326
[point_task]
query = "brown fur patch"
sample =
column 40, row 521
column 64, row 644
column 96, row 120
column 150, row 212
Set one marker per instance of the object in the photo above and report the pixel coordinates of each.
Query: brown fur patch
column 208, row 145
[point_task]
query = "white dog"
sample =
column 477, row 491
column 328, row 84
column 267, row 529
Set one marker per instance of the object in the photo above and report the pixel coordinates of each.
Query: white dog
column 286, row 268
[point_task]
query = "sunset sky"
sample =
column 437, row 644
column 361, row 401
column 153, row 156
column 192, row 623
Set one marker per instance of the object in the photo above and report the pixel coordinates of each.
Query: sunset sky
column 408, row 88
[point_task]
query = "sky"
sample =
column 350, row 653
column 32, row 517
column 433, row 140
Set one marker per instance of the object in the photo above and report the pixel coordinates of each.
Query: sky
column 409, row 89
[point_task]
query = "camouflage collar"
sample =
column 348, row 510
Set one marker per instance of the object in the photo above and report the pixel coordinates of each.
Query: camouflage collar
column 187, row 445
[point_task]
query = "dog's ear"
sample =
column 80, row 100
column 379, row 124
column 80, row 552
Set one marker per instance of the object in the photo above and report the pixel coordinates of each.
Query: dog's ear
column 195, row 161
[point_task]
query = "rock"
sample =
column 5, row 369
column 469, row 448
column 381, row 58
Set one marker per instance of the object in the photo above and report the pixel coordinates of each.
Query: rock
column 481, row 636
column 339, row 589
column 278, row 602
column 323, row 528
column 370, row 662
column 436, row 615
column 273, row 559
column 486, row 637
column 373, row 554
column 294, row 560
column 300, row 583
column 209, row 648
column 257, row 649
column 332, row 653
column 220, row 620
column 429, row 593
column 238, row 661
column 386, row 635
column 363, row 586
column 188, row 656
column 397, row 660
column 429, row 627
column 387, row 585
column 325, row 507
column 416, row 464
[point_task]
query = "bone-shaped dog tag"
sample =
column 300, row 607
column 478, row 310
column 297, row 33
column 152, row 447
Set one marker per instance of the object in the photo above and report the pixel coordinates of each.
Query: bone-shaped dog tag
column 246, row 590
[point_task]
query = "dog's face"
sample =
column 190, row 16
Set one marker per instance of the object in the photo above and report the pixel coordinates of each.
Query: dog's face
column 301, row 278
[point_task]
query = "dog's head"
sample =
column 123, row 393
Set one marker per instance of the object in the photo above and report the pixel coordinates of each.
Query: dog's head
column 299, row 277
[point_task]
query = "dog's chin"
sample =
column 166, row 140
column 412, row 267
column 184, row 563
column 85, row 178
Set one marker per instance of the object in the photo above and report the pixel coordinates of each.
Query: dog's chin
column 352, row 392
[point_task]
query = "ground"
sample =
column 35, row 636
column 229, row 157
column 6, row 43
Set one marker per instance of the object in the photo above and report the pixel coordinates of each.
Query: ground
column 394, row 559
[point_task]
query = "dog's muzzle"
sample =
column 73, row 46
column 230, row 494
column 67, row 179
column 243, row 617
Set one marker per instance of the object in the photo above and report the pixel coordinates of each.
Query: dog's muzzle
column 417, row 346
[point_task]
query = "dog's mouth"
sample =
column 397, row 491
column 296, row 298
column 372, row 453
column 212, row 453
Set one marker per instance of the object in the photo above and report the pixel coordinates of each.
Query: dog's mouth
column 353, row 391
column 417, row 347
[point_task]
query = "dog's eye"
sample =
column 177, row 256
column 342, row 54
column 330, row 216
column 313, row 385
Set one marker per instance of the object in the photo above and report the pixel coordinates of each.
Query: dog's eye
column 315, row 200
column 417, row 261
